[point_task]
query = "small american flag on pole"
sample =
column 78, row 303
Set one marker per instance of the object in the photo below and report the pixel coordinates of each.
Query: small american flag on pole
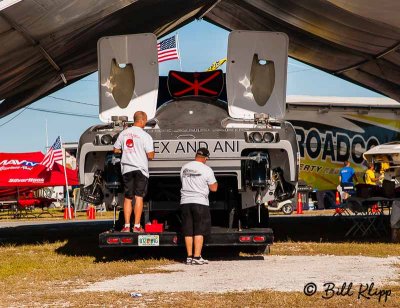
column 167, row 49
column 53, row 154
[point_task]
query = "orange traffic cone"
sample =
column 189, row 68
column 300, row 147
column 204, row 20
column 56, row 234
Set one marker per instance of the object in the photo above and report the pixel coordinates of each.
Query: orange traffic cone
column 299, row 204
column 337, row 199
column 92, row 212
column 68, row 213
column 338, row 209
column 65, row 213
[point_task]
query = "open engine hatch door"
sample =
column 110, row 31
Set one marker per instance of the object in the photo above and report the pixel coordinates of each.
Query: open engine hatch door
column 256, row 73
column 128, row 75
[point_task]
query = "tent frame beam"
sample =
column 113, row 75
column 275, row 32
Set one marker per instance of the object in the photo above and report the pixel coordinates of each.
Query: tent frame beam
column 34, row 43
column 357, row 65
column 204, row 11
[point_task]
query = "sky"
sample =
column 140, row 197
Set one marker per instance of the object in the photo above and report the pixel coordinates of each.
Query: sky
column 73, row 109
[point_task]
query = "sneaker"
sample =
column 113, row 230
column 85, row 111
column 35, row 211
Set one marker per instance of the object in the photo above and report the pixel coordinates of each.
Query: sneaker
column 126, row 229
column 138, row 229
column 189, row 260
column 199, row 261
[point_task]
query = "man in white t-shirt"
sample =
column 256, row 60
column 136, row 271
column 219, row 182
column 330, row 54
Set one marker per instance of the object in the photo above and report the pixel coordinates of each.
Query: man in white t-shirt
column 197, row 181
column 137, row 149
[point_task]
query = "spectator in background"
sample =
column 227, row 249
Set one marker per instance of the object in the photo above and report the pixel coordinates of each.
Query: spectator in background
column 369, row 176
column 346, row 177
column 384, row 167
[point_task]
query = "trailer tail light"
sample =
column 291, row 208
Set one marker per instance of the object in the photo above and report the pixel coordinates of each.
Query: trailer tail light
column 126, row 240
column 258, row 238
column 244, row 239
column 113, row 240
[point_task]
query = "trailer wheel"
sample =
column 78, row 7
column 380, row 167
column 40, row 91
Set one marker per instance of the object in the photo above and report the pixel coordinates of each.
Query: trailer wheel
column 287, row 209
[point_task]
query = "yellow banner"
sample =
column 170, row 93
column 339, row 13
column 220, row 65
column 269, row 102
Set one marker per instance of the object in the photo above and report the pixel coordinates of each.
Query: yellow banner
column 216, row 64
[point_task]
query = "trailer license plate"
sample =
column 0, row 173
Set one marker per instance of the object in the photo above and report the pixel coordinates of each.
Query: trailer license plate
column 149, row 240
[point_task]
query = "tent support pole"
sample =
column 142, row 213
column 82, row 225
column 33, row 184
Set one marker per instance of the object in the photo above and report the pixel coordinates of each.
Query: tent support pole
column 66, row 181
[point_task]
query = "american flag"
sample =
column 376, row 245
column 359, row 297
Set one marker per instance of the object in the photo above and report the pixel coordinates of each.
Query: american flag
column 167, row 50
column 53, row 154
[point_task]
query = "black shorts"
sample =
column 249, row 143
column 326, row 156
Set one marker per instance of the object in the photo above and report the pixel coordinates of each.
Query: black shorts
column 135, row 184
column 196, row 219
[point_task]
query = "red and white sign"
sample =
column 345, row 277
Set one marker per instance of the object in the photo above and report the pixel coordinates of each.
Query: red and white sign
column 25, row 170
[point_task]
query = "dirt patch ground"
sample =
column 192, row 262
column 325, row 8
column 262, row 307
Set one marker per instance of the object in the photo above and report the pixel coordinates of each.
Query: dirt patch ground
column 279, row 273
column 45, row 265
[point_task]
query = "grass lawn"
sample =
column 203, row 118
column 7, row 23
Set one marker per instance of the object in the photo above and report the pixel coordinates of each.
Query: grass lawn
column 46, row 274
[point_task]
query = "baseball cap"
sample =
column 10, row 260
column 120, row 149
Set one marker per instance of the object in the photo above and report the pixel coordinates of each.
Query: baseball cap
column 203, row 152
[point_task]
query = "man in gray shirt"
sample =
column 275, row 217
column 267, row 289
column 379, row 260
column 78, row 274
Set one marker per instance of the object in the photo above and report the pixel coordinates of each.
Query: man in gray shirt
column 197, row 181
column 137, row 149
